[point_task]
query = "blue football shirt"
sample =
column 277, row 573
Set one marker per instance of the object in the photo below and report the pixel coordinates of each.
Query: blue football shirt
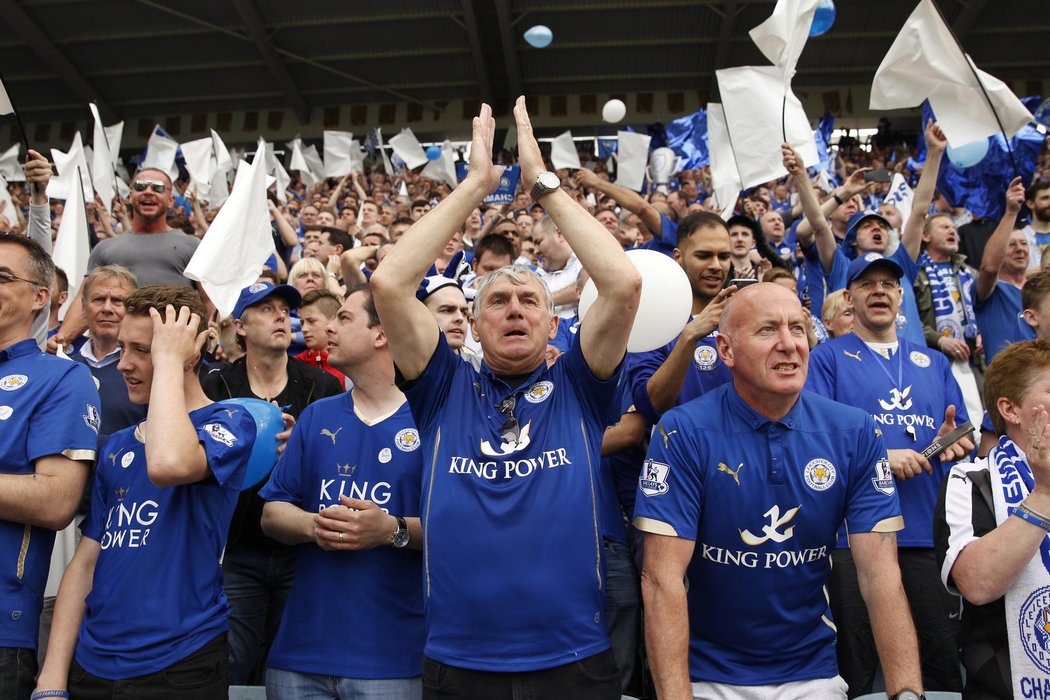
column 997, row 317
column 513, row 551
column 378, row 592
column 763, row 500
column 906, row 395
column 909, row 323
column 706, row 372
column 157, row 591
column 48, row 406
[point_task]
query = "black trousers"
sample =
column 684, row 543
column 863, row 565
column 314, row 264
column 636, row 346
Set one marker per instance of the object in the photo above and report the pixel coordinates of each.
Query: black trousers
column 934, row 611
column 203, row 675
column 18, row 669
column 594, row 678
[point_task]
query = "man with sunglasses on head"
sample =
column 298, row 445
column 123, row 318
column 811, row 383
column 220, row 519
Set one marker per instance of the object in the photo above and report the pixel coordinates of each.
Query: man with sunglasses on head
column 49, row 422
column 514, row 578
column 153, row 251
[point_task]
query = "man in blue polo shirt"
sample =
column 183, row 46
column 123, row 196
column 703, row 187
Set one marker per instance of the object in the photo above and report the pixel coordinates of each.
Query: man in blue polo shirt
column 688, row 366
column 743, row 491
column 141, row 611
column 1001, row 276
column 910, row 392
column 513, row 576
column 346, row 491
column 49, row 421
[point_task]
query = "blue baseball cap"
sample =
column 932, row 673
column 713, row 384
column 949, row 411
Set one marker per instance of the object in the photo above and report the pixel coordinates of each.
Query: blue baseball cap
column 860, row 216
column 861, row 264
column 431, row 284
column 253, row 294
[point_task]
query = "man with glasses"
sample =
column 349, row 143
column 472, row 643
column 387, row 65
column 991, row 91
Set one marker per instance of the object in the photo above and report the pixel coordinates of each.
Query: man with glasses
column 152, row 250
column 910, row 392
column 49, row 421
column 514, row 578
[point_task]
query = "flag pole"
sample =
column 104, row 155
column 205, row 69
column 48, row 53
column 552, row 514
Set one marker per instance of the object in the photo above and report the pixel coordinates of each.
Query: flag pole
column 988, row 99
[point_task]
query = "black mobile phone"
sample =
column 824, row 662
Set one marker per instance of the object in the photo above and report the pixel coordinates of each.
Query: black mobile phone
column 882, row 175
column 740, row 284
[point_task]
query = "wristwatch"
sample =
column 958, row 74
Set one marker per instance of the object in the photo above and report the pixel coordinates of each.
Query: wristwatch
column 400, row 537
column 908, row 694
column 546, row 182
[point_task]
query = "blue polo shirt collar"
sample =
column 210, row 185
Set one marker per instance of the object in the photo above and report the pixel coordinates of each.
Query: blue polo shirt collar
column 757, row 420
column 19, row 349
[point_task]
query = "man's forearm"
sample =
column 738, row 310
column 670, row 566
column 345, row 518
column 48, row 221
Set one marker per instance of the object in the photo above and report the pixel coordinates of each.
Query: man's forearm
column 287, row 523
column 35, row 499
column 893, row 629
column 666, row 383
column 667, row 637
column 65, row 623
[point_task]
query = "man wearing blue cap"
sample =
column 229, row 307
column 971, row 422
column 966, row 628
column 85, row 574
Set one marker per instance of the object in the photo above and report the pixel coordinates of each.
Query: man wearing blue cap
column 258, row 571
column 914, row 399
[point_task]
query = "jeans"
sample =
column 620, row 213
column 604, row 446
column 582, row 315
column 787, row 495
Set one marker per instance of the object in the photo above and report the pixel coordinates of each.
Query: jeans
column 18, row 670
column 203, row 675
column 257, row 581
column 623, row 606
column 934, row 611
column 289, row 685
column 593, row 678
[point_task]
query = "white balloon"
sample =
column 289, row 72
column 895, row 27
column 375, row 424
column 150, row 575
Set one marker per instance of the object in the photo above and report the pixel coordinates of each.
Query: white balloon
column 613, row 111
column 666, row 302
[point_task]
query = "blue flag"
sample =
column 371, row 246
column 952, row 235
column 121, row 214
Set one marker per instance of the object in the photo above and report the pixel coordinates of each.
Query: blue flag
column 981, row 188
column 823, row 136
column 606, row 147
column 508, row 185
column 687, row 136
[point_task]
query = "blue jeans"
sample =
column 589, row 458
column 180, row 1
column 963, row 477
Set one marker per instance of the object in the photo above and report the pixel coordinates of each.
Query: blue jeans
column 256, row 581
column 17, row 673
column 289, row 685
column 623, row 605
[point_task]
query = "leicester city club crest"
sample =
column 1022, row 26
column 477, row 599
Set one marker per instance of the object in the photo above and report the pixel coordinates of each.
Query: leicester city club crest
column 1033, row 624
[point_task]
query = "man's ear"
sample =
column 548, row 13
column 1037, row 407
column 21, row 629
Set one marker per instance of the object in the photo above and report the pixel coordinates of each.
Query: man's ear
column 553, row 332
column 1029, row 317
column 238, row 327
column 725, row 349
column 472, row 322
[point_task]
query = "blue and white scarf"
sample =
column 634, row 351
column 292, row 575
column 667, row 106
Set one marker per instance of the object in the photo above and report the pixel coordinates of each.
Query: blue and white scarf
column 952, row 298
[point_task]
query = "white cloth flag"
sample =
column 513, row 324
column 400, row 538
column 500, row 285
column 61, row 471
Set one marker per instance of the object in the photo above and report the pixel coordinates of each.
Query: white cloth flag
column 444, row 168
column 8, row 211
column 632, row 155
column 67, row 163
column 160, row 154
column 200, row 164
column 900, row 196
column 5, row 102
column 102, row 162
column 406, row 147
column 313, row 160
column 238, row 243
column 925, row 62
column 298, row 162
column 753, row 97
column 72, row 244
column 387, row 167
column 337, row 153
column 782, row 37
column 114, row 135
column 563, row 152
column 357, row 156
column 223, row 160
column 725, row 178
column 10, row 166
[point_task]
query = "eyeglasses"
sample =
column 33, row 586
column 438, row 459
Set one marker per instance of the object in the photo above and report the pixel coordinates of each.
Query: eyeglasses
column 155, row 185
column 511, row 431
column 8, row 278
column 868, row 285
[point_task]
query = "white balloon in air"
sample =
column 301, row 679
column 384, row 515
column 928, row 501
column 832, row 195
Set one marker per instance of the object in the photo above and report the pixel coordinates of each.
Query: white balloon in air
column 664, row 307
column 613, row 111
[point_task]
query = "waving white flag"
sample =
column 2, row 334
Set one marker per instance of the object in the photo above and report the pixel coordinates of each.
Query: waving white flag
column 782, row 37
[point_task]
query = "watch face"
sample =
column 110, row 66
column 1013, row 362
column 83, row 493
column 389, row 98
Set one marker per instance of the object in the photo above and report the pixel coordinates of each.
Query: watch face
column 907, row 695
column 548, row 181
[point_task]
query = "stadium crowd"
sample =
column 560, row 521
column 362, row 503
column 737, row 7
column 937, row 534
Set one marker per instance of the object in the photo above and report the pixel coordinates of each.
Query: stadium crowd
column 482, row 495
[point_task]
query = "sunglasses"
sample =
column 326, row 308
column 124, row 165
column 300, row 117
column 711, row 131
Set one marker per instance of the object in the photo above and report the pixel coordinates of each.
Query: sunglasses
column 155, row 185
column 510, row 431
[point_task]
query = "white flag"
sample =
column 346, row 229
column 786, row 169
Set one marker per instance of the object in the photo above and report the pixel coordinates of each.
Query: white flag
column 925, row 62
column 444, row 168
column 782, row 37
column 231, row 255
column 725, row 178
column 753, row 97
column 10, row 165
column 563, row 152
column 298, row 162
column 632, row 155
column 8, row 211
column 114, row 135
column 283, row 180
column 200, row 164
column 5, row 102
column 73, row 245
column 102, row 162
column 357, row 156
column 387, row 167
column 900, row 196
column 313, row 160
column 406, row 147
column 160, row 154
column 67, row 163
column 223, row 161
column 337, row 153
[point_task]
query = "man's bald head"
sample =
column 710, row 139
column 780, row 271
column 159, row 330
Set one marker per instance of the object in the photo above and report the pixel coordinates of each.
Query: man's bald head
column 748, row 300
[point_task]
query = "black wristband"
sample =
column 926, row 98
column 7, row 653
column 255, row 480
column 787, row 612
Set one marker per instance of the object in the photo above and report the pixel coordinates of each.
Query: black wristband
column 838, row 199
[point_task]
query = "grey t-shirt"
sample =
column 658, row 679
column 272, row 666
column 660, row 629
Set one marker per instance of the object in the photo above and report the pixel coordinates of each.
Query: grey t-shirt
column 155, row 258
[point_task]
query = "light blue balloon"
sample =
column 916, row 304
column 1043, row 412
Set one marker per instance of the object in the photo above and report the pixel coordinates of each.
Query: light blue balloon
column 539, row 37
column 823, row 18
column 433, row 152
column 264, row 450
column 969, row 153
